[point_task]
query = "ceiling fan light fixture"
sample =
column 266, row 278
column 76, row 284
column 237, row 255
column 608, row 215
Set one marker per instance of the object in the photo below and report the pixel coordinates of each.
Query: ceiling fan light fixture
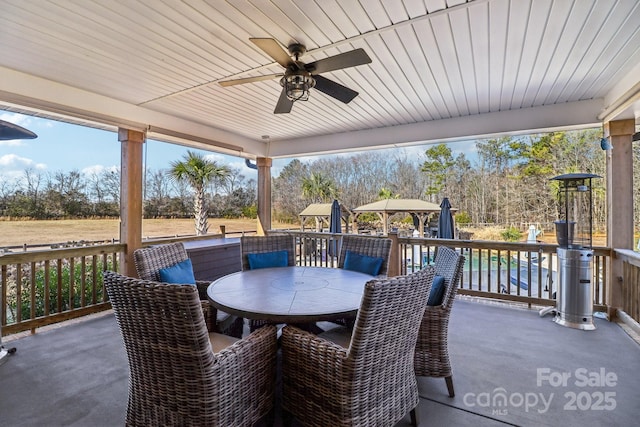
column 297, row 85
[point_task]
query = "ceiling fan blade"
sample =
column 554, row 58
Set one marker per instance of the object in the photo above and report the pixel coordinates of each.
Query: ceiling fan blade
column 284, row 104
column 337, row 62
column 333, row 89
column 274, row 50
column 10, row 131
column 248, row 80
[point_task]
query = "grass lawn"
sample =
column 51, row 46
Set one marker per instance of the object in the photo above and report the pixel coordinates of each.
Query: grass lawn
column 14, row 233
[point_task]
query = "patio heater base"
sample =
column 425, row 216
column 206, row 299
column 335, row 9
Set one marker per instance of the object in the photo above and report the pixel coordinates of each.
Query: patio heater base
column 575, row 293
column 586, row 324
column 5, row 353
column 544, row 311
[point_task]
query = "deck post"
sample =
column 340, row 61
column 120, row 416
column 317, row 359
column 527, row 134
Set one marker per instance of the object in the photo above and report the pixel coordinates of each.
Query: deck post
column 620, row 229
column 264, row 195
column 130, row 196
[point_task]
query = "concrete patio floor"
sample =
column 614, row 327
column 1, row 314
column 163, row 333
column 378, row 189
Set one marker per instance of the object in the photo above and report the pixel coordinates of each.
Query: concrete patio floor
column 511, row 367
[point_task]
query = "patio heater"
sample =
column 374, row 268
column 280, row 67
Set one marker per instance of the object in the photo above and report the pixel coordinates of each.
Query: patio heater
column 574, row 230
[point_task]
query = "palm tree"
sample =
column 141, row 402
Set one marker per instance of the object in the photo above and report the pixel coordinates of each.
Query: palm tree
column 198, row 171
column 319, row 188
column 385, row 194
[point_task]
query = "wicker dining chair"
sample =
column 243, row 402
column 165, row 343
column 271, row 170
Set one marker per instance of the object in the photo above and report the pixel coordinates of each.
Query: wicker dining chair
column 149, row 261
column 261, row 245
column 369, row 246
column 369, row 383
column 182, row 375
column 432, row 350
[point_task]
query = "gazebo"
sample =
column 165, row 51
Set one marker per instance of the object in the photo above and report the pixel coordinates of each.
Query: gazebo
column 385, row 208
column 321, row 212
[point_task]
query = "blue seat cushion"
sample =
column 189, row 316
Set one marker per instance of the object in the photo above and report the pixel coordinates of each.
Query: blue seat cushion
column 268, row 259
column 362, row 263
column 181, row 273
column 437, row 291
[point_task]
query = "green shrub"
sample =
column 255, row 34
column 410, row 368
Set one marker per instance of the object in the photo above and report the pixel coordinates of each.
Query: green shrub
column 250, row 211
column 511, row 234
column 68, row 300
column 463, row 218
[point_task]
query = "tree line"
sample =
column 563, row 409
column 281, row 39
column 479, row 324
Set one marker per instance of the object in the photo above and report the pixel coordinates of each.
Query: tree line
column 62, row 195
column 506, row 182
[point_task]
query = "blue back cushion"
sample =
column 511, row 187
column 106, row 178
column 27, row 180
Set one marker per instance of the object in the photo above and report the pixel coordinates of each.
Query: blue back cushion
column 362, row 263
column 268, row 259
column 181, row 273
column 437, row 291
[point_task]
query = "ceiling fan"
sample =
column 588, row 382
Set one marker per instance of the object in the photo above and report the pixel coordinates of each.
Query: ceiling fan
column 298, row 78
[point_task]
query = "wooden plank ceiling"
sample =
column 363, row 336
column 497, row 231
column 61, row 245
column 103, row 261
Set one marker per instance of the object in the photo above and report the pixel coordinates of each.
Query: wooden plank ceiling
column 441, row 70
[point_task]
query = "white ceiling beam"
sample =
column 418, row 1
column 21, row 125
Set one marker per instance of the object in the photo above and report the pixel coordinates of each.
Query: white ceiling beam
column 67, row 101
column 622, row 101
column 572, row 115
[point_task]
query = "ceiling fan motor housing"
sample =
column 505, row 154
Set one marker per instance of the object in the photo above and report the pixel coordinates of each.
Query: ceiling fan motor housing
column 297, row 50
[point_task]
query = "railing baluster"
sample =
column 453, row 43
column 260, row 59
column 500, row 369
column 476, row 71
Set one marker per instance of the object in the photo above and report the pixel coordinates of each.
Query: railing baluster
column 59, row 285
column 94, row 279
column 72, row 283
column 46, row 284
column 32, row 292
column 83, row 281
column 19, row 292
column 3, row 296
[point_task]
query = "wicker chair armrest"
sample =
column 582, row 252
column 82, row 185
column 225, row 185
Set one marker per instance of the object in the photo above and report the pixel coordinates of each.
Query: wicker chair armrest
column 313, row 365
column 254, row 353
column 431, row 326
column 202, row 286
column 435, row 310
column 245, row 374
column 313, row 345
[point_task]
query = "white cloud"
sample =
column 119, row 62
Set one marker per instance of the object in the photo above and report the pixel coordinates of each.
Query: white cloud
column 11, row 143
column 11, row 176
column 215, row 157
column 11, row 162
column 98, row 169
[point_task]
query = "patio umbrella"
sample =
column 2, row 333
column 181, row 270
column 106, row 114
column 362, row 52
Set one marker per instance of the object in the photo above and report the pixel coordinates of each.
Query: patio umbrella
column 335, row 224
column 445, row 222
column 10, row 130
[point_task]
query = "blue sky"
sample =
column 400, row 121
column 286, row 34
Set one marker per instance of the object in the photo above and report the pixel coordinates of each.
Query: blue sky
column 65, row 147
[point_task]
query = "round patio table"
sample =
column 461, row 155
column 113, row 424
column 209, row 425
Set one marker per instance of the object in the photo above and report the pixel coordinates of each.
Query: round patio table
column 290, row 294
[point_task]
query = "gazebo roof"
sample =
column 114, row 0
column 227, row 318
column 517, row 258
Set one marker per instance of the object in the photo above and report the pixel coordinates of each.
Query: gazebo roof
column 321, row 209
column 317, row 209
column 399, row 205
